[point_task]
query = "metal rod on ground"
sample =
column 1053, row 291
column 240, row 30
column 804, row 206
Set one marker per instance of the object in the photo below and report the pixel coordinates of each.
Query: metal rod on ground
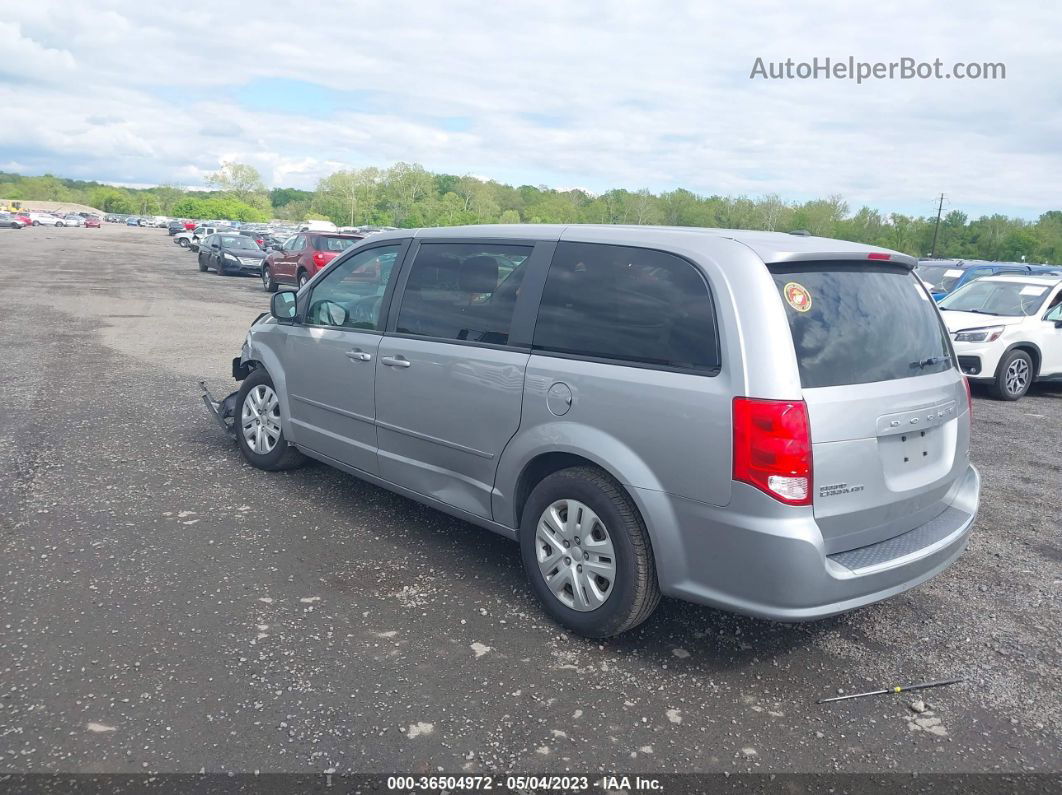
column 897, row 689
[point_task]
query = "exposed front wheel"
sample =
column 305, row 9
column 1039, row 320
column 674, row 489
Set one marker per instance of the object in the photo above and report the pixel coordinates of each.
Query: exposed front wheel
column 259, row 429
column 587, row 553
column 1013, row 376
column 183, row 242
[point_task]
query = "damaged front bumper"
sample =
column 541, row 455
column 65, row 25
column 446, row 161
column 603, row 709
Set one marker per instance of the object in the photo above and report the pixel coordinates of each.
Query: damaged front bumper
column 223, row 411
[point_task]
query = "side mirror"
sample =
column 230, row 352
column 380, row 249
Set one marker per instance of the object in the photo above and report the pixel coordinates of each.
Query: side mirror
column 282, row 306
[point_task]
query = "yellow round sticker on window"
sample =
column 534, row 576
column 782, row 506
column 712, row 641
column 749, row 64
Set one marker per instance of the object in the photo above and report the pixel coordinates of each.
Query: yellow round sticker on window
column 797, row 296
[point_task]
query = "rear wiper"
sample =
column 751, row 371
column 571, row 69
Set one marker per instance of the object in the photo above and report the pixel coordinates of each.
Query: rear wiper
column 931, row 360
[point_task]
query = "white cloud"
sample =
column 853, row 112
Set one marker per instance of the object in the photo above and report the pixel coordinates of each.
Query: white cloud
column 641, row 94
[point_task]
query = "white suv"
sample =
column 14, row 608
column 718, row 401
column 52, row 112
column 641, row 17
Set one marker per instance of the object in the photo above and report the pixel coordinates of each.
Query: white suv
column 1007, row 331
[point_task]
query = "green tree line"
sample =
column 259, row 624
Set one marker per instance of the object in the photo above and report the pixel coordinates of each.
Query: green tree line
column 407, row 195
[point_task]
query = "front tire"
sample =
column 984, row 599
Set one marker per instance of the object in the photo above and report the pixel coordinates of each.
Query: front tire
column 202, row 265
column 258, row 425
column 1014, row 376
column 582, row 514
column 183, row 242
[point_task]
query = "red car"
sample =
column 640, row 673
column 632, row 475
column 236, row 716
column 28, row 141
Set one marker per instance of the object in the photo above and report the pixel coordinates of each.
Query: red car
column 24, row 218
column 302, row 256
column 93, row 222
column 190, row 225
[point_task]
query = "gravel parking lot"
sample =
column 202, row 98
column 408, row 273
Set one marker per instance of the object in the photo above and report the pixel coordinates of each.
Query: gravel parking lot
column 168, row 608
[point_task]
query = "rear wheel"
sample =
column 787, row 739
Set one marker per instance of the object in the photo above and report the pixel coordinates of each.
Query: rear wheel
column 1013, row 376
column 59, row 223
column 258, row 425
column 587, row 553
column 268, row 284
column 303, row 278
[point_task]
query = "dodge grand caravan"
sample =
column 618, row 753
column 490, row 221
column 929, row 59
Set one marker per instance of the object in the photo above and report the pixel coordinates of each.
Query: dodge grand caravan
column 765, row 423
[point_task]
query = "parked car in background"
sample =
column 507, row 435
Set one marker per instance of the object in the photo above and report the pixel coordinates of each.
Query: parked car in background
column 1007, row 331
column 72, row 219
column 173, row 227
column 93, row 222
column 714, row 415
column 192, row 239
column 230, row 254
column 132, row 220
column 257, row 237
column 317, row 226
column 24, row 217
column 945, row 276
column 301, row 257
column 44, row 219
column 9, row 221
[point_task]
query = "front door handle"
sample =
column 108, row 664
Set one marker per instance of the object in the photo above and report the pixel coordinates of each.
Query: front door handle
column 359, row 356
column 396, row 361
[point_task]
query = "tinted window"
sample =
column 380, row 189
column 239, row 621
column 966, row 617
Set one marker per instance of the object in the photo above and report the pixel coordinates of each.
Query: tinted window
column 463, row 292
column 630, row 304
column 334, row 243
column 351, row 294
column 854, row 323
column 942, row 277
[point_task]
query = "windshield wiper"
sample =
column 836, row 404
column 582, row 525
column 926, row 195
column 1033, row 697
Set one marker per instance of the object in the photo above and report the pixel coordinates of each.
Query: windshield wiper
column 931, row 360
column 978, row 312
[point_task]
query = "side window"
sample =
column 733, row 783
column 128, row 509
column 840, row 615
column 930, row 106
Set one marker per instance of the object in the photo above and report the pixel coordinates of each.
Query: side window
column 463, row 291
column 296, row 243
column 207, row 241
column 628, row 304
column 351, row 294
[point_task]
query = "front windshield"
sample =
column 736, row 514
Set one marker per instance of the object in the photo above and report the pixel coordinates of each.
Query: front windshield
column 941, row 278
column 239, row 241
column 1010, row 299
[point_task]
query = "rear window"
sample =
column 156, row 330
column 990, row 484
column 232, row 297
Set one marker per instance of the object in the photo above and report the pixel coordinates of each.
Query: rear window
column 857, row 323
column 335, row 243
column 943, row 278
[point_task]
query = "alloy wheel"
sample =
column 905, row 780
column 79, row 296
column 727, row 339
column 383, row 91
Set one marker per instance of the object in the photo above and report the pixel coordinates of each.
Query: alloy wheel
column 1017, row 378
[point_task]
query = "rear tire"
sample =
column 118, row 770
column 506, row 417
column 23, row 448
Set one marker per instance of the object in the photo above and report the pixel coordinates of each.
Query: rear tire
column 1014, row 376
column 303, row 278
column 268, row 284
column 59, row 223
column 615, row 542
column 274, row 453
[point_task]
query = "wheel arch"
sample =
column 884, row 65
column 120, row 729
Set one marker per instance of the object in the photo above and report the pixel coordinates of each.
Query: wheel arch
column 1030, row 348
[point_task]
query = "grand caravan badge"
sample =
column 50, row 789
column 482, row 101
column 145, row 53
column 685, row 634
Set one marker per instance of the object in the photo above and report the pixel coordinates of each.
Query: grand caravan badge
column 797, row 296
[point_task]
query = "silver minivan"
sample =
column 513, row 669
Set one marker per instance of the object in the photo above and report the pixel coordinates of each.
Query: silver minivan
column 766, row 423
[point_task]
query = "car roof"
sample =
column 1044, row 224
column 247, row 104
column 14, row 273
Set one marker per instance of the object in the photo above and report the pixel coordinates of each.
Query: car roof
column 1045, row 280
column 768, row 246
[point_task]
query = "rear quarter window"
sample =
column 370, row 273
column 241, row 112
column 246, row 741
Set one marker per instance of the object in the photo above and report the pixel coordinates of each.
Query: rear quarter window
column 855, row 323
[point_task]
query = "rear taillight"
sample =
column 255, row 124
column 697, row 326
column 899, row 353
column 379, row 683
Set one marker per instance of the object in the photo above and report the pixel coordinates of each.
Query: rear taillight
column 969, row 397
column 319, row 259
column 772, row 448
column 259, row 241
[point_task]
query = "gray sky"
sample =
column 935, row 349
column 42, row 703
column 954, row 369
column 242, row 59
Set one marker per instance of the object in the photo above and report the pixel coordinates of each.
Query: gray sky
column 578, row 94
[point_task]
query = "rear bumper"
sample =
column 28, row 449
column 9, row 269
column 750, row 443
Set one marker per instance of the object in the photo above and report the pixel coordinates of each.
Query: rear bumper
column 763, row 559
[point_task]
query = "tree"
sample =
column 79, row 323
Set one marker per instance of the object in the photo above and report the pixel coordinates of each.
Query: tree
column 353, row 189
column 239, row 179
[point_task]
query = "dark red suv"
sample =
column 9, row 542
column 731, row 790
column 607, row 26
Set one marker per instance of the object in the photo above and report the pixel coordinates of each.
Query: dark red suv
column 302, row 256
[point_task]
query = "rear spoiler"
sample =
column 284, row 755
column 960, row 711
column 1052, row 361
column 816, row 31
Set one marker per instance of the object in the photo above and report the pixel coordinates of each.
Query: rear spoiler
column 881, row 257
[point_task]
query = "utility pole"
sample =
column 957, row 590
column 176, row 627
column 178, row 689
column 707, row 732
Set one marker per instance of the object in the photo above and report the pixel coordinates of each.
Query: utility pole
column 936, row 229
